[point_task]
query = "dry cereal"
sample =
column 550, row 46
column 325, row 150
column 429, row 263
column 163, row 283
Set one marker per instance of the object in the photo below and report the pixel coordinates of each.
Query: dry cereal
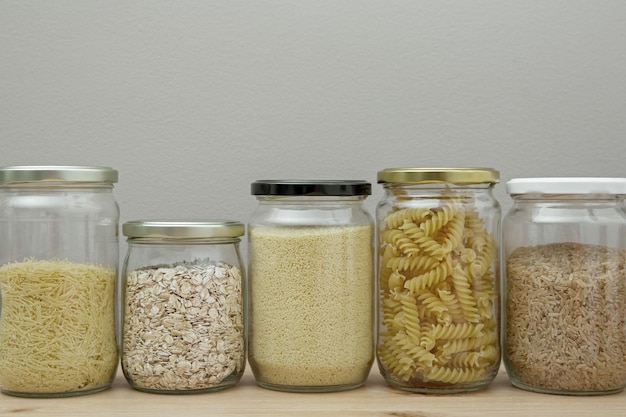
column 183, row 326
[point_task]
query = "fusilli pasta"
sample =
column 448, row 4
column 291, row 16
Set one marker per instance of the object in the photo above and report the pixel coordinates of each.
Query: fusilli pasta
column 437, row 295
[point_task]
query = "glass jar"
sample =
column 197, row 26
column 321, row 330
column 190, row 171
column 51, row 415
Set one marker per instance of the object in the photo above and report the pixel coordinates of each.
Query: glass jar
column 58, row 274
column 183, row 306
column 565, row 286
column 310, row 248
column 438, row 279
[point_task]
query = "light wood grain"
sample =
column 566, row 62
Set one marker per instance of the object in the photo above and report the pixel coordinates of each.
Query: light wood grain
column 374, row 399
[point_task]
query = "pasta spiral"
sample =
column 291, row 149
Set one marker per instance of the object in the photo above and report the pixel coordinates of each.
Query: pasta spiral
column 437, row 296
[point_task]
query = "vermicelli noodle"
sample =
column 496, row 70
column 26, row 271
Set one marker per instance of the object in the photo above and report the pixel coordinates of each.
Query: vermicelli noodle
column 57, row 327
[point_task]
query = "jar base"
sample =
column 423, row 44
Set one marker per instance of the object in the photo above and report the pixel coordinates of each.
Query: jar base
column 553, row 391
column 452, row 389
column 226, row 383
column 417, row 385
column 183, row 392
column 309, row 388
column 53, row 394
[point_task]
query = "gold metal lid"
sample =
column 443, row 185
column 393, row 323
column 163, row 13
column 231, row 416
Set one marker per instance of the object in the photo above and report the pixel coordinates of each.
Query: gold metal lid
column 439, row 175
column 19, row 174
column 185, row 229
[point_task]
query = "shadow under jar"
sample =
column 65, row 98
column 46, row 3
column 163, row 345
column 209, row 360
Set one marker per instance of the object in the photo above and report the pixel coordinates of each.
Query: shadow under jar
column 183, row 306
column 565, row 285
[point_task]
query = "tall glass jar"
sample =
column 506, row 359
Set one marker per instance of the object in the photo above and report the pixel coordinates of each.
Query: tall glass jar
column 58, row 274
column 565, row 286
column 311, row 285
column 438, row 279
column 183, row 306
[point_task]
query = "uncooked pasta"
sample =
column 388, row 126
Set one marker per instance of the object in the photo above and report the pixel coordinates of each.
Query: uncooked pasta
column 57, row 329
column 438, row 298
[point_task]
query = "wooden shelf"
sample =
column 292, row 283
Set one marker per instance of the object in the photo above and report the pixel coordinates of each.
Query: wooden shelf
column 376, row 398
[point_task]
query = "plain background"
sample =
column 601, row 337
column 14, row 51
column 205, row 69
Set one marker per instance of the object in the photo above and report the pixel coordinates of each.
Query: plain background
column 191, row 101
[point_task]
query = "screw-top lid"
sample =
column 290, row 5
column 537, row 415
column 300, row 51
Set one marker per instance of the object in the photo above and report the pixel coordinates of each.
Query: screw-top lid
column 176, row 229
column 566, row 185
column 341, row 188
column 438, row 175
column 18, row 174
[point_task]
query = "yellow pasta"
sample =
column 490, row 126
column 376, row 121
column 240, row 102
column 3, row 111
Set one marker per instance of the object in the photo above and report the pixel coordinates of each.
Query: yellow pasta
column 463, row 293
column 412, row 263
column 401, row 241
column 430, row 246
column 456, row 331
column 396, row 281
column 455, row 375
column 428, row 279
column 465, row 360
column 57, row 327
column 411, row 316
column 439, row 219
column 452, row 302
column 383, row 275
column 434, row 305
column 438, row 296
column 469, row 344
column 396, row 219
column 454, row 232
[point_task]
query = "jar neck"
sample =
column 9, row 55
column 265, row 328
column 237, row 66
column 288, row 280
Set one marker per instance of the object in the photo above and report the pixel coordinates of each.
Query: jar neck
column 567, row 198
column 56, row 186
column 437, row 190
column 183, row 241
column 310, row 200
column 310, row 211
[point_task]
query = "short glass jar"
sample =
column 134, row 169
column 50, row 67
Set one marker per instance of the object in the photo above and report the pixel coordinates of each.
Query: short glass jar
column 311, row 285
column 438, row 277
column 565, row 285
column 183, row 306
column 58, row 271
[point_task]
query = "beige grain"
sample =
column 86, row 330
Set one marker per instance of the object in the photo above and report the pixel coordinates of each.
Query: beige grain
column 566, row 310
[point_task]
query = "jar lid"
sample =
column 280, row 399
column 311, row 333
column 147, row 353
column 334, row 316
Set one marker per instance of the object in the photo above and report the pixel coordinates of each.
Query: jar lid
column 176, row 229
column 17, row 174
column 566, row 185
column 343, row 188
column 439, row 175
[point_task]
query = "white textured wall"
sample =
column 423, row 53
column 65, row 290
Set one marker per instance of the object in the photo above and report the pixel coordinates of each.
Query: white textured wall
column 193, row 100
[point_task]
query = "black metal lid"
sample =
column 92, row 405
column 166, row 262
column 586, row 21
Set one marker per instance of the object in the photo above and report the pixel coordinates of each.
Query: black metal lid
column 311, row 187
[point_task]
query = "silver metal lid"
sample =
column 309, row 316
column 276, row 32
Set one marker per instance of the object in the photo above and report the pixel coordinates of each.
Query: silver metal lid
column 23, row 174
column 183, row 229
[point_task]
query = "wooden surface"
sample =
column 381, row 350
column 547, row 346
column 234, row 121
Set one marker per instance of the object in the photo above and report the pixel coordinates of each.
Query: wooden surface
column 374, row 399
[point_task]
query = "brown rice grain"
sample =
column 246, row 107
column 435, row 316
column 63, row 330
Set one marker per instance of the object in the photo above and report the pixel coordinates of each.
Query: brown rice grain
column 565, row 317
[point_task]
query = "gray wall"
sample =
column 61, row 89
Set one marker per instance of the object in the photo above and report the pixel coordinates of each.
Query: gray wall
column 193, row 100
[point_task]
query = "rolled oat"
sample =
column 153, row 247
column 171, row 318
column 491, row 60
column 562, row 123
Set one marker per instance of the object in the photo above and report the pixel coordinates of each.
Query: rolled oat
column 183, row 326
